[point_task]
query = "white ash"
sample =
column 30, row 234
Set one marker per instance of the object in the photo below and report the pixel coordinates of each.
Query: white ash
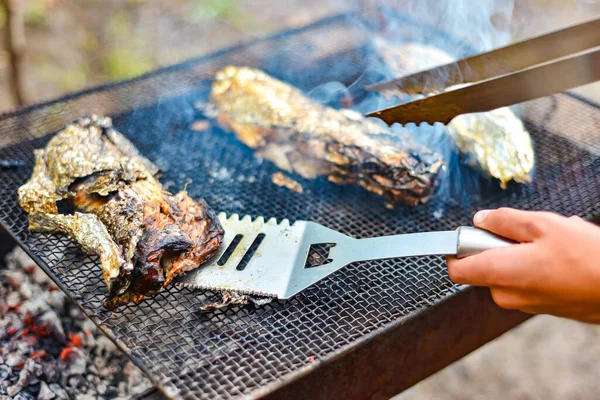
column 49, row 350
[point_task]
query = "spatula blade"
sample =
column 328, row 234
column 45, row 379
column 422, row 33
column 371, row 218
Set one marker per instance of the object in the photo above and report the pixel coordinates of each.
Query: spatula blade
column 256, row 257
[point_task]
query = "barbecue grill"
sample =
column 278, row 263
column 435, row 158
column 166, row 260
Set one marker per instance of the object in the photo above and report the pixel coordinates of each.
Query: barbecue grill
column 368, row 331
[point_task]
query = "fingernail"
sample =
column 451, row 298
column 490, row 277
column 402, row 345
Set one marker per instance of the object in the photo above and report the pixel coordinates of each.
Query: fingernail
column 480, row 216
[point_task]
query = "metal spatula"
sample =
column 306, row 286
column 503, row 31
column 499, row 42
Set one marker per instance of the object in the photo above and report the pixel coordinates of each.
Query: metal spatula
column 280, row 260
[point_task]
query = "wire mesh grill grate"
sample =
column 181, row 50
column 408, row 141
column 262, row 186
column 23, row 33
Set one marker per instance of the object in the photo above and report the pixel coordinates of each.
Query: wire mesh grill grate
column 234, row 351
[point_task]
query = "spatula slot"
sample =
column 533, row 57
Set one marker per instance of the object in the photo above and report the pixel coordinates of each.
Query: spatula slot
column 230, row 249
column 318, row 255
column 250, row 253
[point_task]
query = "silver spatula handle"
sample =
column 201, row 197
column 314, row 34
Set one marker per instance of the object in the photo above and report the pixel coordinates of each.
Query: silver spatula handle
column 473, row 240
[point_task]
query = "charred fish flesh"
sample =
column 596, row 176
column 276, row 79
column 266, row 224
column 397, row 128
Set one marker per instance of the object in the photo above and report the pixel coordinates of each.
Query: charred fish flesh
column 302, row 136
column 143, row 235
column 495, row 142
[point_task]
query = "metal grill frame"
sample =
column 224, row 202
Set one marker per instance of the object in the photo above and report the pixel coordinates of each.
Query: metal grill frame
column 355, row 335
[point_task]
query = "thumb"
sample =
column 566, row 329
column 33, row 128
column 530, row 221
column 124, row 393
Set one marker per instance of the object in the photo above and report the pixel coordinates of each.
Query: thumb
column 518, row 225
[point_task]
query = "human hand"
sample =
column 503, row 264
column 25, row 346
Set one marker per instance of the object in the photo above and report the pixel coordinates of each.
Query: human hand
column 555, row 268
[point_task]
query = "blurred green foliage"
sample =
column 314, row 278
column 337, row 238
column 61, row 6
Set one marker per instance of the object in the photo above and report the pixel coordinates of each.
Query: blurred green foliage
column 123, row 64
column 35, row 13
column 125, row 58
column 229, row 11
column 73, row 79
column 2, row 15
column 89, row 42
column 211, row 9
column 119, row 25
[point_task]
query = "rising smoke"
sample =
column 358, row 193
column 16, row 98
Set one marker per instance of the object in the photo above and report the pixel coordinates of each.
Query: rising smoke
column 418, row 35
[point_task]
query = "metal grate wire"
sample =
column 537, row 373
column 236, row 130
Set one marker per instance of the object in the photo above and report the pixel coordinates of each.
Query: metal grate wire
column 233, row 352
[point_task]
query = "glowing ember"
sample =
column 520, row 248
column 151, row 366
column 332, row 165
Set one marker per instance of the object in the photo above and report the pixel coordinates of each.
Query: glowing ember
column 49, row 349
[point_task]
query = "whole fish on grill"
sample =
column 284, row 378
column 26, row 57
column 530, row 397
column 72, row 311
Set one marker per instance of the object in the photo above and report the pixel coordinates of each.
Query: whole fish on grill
column 302, row 136
column 494, row 142
column 143, row 235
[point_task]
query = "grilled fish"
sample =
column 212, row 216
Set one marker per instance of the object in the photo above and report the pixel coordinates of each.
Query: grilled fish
column 300, row 135
column 144, row 236
column 494, row 142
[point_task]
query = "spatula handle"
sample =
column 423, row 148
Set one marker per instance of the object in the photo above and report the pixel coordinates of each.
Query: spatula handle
column 473, row 241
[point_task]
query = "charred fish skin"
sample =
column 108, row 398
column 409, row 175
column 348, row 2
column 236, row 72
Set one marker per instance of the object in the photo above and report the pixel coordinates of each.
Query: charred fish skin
column 38, row 194
column 145, row 236
column 495, row 142
column 300, row 135
column 89, row 232
column 191, row 241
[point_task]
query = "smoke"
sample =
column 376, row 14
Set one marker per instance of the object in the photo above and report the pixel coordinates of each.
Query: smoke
column 418, row 35
column 415, row 35
column 483, row 23
column 457, row 28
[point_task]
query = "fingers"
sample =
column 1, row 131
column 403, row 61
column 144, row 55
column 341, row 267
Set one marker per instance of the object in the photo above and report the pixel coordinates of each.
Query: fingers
column 509, row 299
column 528, row 301
column 514, row 299
column 506, row 266
column 522, row 226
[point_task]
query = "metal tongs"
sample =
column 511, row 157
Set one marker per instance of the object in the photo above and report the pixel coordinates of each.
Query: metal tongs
column 526, row 70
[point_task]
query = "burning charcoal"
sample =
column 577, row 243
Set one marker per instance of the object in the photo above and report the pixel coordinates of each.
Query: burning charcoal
column 15, row 278
column 51, row 320
column 18, row 260
column 58, row 391
column 14, row 389
column 38, row 355
column 76, row 359
column 101, row 389
column 104, row 346
column 25, row 378
column 40, row 277
column 45, row 393
column 50, row 372
column 13, row 299
column 92, row 369
column 111, row 392
column 44, row 326
column 99, row 365
column 4, row 372
column 136, row 380
column 25, row 345
column 24, row 396
column 26, row 291
column 36, row 372
column 108, row 371
column 14, row 361
column 88, row 339
column 35, row 306
column 75, row 313
column 12, row 346
column 56, row 299
column 89, row 326
column 76, row 381
column 33, row 389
